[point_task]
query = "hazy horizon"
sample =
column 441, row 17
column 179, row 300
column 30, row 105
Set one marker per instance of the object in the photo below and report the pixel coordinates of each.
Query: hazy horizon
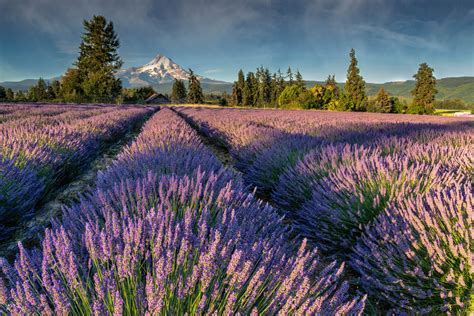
column 216, row 39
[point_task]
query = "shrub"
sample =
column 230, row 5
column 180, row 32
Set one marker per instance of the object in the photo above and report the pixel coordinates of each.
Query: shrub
column 353, row 195
column 417, row 254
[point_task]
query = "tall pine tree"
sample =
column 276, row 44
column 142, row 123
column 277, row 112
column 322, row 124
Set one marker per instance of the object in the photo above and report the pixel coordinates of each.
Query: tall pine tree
column 354, row 89
column 9, row 94
column 178, row 93
column 238, row 89
column 195, row 95
column 264, row 86
column 289, row 76
column 424, row 92
column 299, row 79
column 98, row 61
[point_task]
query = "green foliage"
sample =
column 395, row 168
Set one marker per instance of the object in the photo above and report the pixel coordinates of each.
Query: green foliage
column 399, row 106
column 178, row 93
column 424, row 92
column 299, row 79
column 354, row 89
column 3, row 93
column 289, row 76
column 20, row 97
column 71, row 90
column 38, row 92
column 382, row 103
column 294, row 96
column 54, row 90
column 264, row 84
column 238, row 89
column 223, row 100
column 339, row 104
column 9, row 95
column 453, row 104
column 195, row 95
column 277, row 86
column 98, row 61
column 137, row 95
column 250, row 93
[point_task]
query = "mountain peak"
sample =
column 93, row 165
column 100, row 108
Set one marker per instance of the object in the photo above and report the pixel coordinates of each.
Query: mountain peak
column 160, row 69
column 160, row 60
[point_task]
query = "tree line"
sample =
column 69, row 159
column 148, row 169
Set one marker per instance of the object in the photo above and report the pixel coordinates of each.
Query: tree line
column 263, row 89
column 92, row 79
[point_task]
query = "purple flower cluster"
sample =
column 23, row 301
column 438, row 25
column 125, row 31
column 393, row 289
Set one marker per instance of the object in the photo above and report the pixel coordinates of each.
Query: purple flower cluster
column 369, row 188
column 418, row 253
column 40, row 146
column 178, row 236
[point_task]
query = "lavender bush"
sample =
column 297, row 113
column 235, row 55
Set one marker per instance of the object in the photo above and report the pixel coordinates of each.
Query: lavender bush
column 418, row 255
column 353, row 195
column 296, row 182
column 44, row 146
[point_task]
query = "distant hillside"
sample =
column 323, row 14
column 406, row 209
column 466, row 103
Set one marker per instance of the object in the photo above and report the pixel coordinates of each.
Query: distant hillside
column 448, row 88
column 22, row 85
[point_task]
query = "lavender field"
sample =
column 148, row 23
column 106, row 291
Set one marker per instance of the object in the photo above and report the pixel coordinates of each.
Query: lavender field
column 221, row 211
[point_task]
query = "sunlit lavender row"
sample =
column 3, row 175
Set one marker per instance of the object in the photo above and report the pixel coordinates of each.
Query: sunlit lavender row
column 41, row 147
column 391, row 195
column 169, row 230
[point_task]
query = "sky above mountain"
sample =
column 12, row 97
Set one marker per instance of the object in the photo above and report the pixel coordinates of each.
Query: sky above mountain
column 217, row 38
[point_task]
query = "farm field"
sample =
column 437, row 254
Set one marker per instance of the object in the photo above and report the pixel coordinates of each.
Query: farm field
column 220, row 211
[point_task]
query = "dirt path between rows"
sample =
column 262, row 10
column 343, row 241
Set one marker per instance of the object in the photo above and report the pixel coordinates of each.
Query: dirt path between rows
column 219, row 150
column 222, row 152
column 30, row 231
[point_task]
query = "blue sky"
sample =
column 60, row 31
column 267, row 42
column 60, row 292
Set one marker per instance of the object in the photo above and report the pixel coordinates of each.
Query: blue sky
column 216, row 38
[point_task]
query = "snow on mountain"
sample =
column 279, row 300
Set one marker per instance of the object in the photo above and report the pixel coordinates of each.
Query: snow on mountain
column 159, row 70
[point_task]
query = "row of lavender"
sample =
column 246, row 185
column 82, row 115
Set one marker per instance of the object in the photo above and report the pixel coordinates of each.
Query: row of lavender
column 42, row 146
column 394, row 199
column 170, row 231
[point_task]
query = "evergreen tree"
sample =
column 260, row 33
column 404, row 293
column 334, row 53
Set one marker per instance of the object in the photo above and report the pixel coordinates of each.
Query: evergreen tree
column 50, row 93
column 273, row 89
column 195, row 95
column 299, row 79
column 238, row 89
column 264, row 86
column 330, row 93
column 236, row 95
column 38, row 92
column 32, row 95
column 71, row 90
column 9, row 95
column 279, row 86
column 178, row 93
column 223, row 100
column 331, row 82
column 383, row 104
column 249, row 90
column 289, row 76
column 98, row 61
column 3, row 93
column 354, row 89
column 54, row 89
column 20, row 96
column 424, row 92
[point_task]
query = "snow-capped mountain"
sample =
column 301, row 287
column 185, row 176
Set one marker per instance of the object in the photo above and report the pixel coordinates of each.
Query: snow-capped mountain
column 159, row 70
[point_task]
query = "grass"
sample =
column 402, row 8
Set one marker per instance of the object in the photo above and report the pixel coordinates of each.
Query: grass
column 449, row 112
